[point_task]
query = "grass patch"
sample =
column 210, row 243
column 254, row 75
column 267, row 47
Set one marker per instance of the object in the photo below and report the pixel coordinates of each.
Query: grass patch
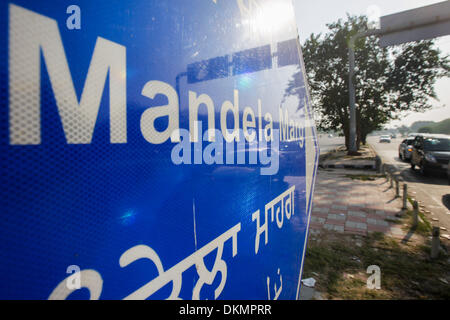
column 424, row 226
column 410, row 200
column 339, row 265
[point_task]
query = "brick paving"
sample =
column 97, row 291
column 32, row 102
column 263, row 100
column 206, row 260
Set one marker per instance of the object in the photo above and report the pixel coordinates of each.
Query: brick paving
column 354, row 206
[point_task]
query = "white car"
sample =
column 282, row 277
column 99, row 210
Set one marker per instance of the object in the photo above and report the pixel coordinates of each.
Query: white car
column 385, row 138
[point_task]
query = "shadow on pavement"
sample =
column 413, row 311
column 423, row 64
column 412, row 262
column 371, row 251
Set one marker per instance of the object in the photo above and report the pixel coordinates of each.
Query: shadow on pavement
column 410, row 175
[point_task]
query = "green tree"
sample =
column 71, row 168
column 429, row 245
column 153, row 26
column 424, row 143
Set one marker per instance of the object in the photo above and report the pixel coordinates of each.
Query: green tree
column 419, row 124
column 387, row 81
column 436, row 127
column 425, row 130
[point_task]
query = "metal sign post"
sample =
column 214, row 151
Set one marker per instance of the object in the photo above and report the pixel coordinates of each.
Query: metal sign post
column 351, row 57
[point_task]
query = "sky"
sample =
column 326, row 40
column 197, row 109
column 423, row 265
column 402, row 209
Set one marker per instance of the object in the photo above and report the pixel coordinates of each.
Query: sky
column 313, row 15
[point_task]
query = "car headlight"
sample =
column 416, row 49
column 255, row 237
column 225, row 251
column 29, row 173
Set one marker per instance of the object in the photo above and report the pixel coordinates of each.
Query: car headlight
column 430, row 158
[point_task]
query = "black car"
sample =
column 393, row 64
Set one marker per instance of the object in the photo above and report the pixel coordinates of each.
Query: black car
column 431, row 153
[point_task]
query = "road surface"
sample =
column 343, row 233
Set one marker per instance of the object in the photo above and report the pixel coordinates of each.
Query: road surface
column 433, row 191
column 327, row 144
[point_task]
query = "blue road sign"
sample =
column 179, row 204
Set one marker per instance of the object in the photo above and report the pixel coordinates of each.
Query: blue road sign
column 153, row 150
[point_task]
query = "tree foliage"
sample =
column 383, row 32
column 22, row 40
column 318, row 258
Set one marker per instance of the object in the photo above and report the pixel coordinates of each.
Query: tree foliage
column 436, row 127
column 388, row 82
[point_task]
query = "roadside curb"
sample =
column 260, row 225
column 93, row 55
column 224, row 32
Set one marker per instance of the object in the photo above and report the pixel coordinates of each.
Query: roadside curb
column 348, row 165
column 323, row 157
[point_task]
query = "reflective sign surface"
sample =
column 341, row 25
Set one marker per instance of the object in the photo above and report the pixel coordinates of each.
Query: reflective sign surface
column 153, row 150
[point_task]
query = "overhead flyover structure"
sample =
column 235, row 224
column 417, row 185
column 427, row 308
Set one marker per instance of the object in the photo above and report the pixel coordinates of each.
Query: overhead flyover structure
column 414, row 25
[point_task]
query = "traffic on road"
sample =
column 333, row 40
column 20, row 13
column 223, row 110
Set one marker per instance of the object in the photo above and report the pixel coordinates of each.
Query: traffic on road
column 432, row 186
column 328, row 143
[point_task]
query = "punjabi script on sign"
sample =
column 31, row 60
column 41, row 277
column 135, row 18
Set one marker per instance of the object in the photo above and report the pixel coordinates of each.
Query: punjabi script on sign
column 281, row 208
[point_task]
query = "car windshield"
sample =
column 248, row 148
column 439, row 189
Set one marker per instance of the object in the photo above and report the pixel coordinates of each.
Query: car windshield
column 385, row 137
column 409, row 142
column 436, row 144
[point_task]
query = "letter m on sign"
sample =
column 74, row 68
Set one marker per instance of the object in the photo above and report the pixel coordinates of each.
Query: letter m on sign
column 29, row 33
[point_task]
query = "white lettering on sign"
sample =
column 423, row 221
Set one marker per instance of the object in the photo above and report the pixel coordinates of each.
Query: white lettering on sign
column 174, row 274
column 276, row 290
column 150, row 90
column 31, row 33
column 279, row 207
column 89, row 279
column 291, row 130
column 92, row 280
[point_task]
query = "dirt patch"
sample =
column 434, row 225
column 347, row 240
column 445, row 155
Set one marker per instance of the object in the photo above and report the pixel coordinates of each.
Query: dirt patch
column 364, row 177
column 340, row 156
column 339, row 263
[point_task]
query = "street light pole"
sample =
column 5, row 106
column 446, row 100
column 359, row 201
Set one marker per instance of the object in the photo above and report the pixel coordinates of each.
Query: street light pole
column 351, row 89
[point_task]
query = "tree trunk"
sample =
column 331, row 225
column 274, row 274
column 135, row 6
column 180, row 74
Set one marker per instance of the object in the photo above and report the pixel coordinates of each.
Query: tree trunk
column 358, row 130
column 347, row 137
column 358, row 138
column 364, row 137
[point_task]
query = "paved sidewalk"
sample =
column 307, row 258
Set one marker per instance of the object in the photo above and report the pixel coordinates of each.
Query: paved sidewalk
column 354, row 206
